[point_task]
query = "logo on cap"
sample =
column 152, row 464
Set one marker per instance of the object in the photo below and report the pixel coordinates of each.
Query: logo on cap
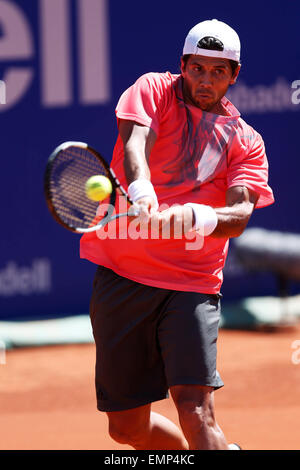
column 209, row 42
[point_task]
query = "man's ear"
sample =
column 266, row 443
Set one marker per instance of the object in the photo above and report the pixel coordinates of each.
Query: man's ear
column 235, row 75
column 182, row 65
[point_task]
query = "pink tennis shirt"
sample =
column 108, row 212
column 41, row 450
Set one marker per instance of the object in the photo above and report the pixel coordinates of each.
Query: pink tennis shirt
column 197, row 156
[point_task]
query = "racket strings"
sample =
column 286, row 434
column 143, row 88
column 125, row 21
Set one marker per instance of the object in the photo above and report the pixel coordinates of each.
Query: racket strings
column 71, row 169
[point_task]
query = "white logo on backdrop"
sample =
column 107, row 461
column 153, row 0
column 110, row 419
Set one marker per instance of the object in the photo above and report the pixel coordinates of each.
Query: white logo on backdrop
column 2, row 92
column 296, row 93
column 57, row 52
column 25, row 280
column 277, row 97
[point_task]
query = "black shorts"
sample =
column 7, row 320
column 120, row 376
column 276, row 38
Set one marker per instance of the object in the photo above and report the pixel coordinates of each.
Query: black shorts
column 149, row 339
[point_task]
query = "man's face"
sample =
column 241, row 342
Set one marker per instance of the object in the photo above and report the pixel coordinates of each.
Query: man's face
column 206, row 81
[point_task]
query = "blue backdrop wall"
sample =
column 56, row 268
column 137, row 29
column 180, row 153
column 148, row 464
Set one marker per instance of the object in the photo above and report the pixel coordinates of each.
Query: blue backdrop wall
column 63, row 66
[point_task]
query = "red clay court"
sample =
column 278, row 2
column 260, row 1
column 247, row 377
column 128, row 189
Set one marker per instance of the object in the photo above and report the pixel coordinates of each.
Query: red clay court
column 48, row 398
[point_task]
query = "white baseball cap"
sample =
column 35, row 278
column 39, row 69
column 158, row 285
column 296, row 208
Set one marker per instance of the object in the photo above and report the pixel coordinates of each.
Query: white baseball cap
column 228, row 42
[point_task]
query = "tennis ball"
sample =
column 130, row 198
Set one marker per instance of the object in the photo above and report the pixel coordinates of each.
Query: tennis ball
column 98, row 187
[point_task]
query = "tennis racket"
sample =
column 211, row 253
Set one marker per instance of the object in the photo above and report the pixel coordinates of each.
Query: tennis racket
column 68, row 168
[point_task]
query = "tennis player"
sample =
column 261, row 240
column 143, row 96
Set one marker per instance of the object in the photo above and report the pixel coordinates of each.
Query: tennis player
column 189, row 159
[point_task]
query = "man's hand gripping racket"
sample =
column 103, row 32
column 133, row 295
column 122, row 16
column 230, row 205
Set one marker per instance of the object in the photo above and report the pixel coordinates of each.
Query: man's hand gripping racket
column 68, row 169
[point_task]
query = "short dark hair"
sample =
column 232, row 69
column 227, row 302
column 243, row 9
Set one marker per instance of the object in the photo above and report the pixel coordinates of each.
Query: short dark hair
column 233, row 63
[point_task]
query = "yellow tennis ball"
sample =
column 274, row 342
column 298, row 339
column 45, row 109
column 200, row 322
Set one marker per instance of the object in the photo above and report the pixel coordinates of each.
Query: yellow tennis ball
column 98, row 187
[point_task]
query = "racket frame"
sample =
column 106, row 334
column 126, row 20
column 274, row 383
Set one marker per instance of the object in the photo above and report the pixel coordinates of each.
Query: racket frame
column 117, row 187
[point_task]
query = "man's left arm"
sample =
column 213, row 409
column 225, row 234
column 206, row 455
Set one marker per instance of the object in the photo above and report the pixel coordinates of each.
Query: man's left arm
column 228, row 221
column 234, row 217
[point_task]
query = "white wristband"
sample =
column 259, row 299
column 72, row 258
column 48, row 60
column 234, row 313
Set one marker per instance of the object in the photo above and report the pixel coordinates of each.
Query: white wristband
column 206, row 218
column 142, row 188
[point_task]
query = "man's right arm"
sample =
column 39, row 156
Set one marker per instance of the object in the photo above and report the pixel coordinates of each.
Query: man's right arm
column 138, row 141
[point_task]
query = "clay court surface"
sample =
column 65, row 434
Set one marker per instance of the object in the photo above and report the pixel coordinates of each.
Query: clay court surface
column 47, row 398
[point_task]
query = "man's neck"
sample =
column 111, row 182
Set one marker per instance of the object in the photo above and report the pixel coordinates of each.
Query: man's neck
column 220, row 108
